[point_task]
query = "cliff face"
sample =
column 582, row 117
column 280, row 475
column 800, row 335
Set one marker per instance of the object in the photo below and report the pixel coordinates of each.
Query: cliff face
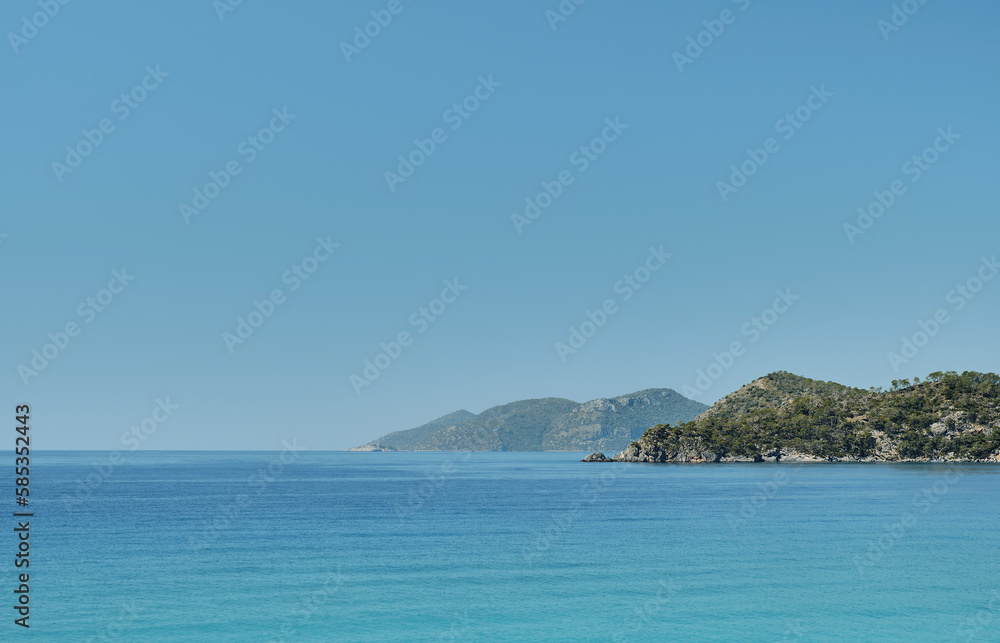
column 680, row 450
column 784, row 418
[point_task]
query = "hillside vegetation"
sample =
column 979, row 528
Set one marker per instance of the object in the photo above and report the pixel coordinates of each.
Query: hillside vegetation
column 946, row 417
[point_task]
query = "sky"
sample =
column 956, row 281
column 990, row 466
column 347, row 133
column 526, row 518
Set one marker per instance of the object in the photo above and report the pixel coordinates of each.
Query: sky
column 172, row 171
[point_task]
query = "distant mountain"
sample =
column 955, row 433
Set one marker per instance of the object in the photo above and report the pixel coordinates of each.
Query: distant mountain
column 611, row 421
column 548, row 424
column 784, row 417
column 409, row 440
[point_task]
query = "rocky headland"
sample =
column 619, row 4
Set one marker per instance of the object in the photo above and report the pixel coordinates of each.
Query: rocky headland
column 787, row 418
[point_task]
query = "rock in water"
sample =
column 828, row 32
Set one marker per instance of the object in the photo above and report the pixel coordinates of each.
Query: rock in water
column 597, row 457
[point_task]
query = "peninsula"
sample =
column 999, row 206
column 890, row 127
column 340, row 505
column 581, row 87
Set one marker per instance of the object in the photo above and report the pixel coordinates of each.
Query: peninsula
column 948, row 417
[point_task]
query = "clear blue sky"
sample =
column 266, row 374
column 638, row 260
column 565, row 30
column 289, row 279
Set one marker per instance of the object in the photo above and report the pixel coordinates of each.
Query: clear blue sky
column 323, row 175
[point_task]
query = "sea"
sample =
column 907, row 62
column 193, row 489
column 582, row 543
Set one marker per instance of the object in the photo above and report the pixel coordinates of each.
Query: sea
column 536, row 547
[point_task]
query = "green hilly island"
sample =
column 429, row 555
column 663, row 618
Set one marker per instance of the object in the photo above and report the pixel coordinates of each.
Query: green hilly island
column 784, row 417
column 549, row 424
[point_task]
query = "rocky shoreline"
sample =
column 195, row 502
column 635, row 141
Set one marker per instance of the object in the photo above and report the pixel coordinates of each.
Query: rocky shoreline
column 695, row 455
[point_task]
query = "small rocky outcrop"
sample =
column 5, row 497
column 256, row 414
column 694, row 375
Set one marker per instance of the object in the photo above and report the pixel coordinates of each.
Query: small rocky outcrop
column 684, row 450
column 597, row 457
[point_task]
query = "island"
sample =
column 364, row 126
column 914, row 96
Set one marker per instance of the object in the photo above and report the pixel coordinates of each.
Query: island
column 546, row 424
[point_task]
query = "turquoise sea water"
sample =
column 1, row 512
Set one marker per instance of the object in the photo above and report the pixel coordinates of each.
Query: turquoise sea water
column 505, row 547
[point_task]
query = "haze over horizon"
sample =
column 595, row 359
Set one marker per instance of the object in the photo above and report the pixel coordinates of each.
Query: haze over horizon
column 638, row 237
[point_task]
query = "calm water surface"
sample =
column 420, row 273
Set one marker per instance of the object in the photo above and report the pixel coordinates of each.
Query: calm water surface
column 237, row 546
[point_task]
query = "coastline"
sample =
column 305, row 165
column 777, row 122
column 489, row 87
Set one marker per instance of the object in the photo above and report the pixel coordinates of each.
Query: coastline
column 782, row 457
